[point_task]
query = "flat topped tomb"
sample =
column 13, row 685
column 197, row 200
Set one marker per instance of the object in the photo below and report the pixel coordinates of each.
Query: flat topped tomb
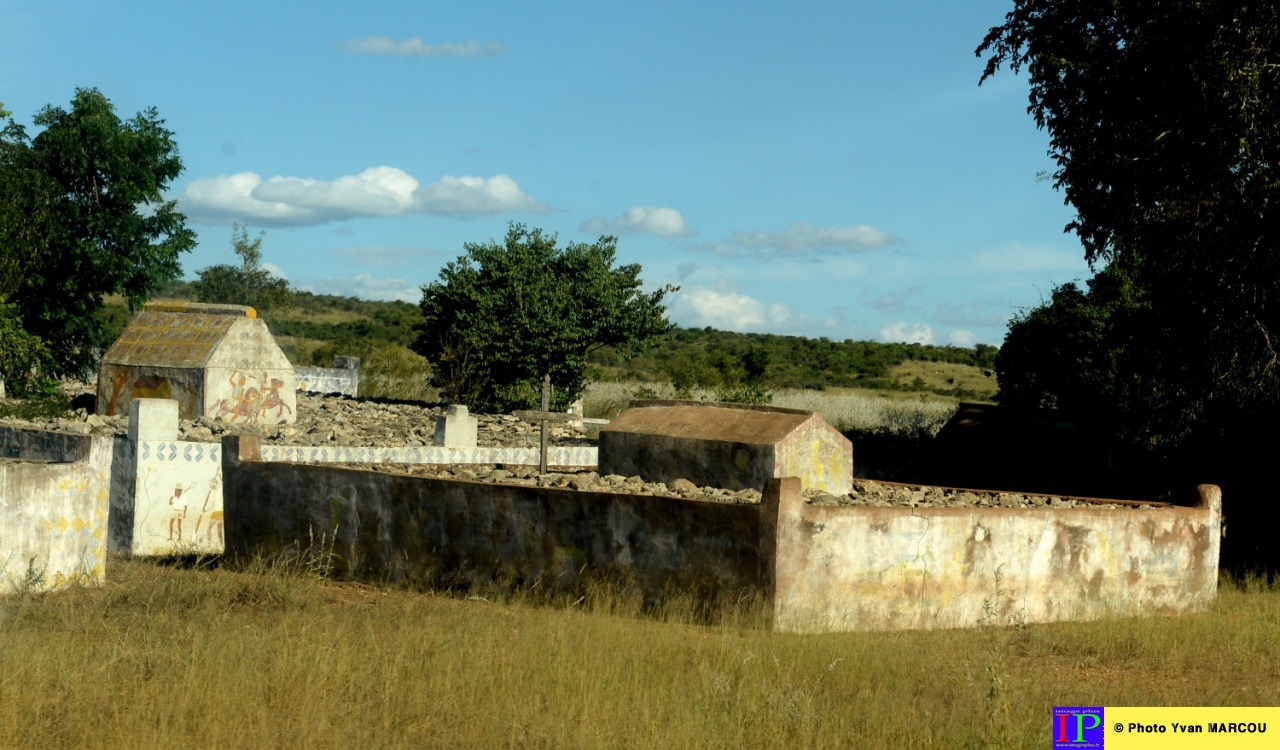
column 735, row 446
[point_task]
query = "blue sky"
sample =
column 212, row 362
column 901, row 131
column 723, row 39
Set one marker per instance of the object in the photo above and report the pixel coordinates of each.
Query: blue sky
column 831, row 169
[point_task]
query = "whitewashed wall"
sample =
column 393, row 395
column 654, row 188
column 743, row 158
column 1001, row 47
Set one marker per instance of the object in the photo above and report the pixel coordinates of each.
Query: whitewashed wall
column 53, row 510
column 166, row 494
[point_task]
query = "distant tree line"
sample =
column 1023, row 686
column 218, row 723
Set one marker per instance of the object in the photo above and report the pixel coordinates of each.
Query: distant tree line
column 710, row 358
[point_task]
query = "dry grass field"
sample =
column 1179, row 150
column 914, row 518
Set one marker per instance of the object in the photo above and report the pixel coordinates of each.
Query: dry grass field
column 945, row 376
column 845, row 409
column 166, row 657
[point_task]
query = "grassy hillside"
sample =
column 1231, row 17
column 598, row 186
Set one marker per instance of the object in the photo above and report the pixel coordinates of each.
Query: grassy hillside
column 320, row 326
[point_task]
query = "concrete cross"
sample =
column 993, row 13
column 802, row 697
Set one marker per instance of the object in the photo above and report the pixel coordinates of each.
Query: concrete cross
column 543, row 417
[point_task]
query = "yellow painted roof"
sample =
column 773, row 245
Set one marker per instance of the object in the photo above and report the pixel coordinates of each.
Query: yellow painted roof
column 167, row 338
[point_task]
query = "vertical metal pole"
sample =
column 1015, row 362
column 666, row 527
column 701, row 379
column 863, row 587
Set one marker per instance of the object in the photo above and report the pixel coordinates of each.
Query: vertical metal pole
column 546, row 406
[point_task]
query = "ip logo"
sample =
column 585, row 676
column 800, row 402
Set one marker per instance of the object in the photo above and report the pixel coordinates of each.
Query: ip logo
column 1077, row 727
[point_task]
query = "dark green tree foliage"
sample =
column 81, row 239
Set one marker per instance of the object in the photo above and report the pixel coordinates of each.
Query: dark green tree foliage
column 83, row 215
column 688, row 359
column 503, row 315
column 1078, row 351
column 21, row 354
column 742, row 378
column 249, row 284
column 1164, row 120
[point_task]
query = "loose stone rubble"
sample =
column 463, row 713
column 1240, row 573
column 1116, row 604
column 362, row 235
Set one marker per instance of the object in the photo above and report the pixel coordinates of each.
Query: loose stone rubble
column 336, row 421
column 876, row 494
column 584, row 480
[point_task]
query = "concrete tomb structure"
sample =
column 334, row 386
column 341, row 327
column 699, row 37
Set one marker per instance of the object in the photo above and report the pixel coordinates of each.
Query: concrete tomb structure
column 456, row 429
column 735, row 446
column 343, row 377
column 53, row 509
column 216, row 361
column 819, row 568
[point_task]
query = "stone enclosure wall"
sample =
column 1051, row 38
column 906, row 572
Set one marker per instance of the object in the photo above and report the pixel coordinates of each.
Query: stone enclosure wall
column 53, row 509
column 822, row 568
column 343, row 377
column 167, row 494
column 396, row 528
column 859, row 568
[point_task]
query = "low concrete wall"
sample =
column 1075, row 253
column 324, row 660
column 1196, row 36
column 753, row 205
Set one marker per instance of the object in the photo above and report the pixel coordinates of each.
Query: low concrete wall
column 343, row 377
column 557, row 457
column 397, row 528
column 167, row 495
column 878, row 568
column 53, row 509
column 824, row 568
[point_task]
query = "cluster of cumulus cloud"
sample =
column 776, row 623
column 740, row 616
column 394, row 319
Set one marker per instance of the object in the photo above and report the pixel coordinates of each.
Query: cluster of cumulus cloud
column 377, row 191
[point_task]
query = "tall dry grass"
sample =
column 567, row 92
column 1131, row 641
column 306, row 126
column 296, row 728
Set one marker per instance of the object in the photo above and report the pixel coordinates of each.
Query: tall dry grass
column 844, row 410
column 276, row 658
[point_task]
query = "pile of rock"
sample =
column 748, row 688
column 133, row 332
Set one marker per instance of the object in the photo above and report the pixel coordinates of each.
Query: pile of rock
column 336, row 421
column 587, row 481
column 876, row 494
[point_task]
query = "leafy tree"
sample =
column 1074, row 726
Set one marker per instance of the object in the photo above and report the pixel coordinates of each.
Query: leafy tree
column 83, row 215
column 21, row 354
column 1079, row 351
column 503, row 315
column 1164, row 119
column 250, row 284
column 741, row 378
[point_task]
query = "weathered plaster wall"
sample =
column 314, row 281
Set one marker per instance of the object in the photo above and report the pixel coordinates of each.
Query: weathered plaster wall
column 166, row 494
column 873, row 568
column 343, row 377
column 818, row 454
column 396, row 528
column 725, row 445
column 119, row 385
column 825, row 568
column 53, row 509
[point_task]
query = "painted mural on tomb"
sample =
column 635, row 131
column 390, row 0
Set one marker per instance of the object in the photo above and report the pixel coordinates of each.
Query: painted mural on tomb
column 179, row 500
column 251, row 398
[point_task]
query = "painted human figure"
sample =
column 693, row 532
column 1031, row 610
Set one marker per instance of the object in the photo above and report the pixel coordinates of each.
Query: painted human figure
column 272, row 400
column 177, row 512
column 214, row 514
column 244, row 400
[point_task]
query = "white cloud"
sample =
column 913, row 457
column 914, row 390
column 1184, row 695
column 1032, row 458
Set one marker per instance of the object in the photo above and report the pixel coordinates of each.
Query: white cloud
column 364, row 286
column 723, row 309
column 801, row 238
column 911, row 333
column 662, row 221
column 415, row 47
column 377, row 191
column 274, row 270
column 465, row 196
column 961, row 338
